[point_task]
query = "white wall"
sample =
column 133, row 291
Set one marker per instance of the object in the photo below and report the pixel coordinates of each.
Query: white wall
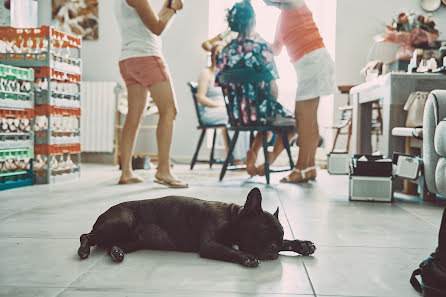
column 182, row 49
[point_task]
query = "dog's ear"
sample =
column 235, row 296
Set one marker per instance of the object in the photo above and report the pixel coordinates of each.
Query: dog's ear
column 276, row 214
column 253, row 204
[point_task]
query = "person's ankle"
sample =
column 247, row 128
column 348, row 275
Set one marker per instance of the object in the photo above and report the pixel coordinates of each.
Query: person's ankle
column 163, row 172
column 126, row 172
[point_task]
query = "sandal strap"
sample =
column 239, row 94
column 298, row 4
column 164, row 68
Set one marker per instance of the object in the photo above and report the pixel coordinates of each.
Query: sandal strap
column 308, row 169
column 303, row 171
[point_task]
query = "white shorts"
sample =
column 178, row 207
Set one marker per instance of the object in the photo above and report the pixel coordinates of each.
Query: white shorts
column 315, row 75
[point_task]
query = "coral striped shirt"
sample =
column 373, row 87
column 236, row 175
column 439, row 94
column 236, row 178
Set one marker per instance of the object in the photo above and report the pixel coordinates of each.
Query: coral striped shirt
column 297, row 30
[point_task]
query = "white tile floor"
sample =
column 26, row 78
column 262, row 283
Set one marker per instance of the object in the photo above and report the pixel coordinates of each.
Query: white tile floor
column 364, row 249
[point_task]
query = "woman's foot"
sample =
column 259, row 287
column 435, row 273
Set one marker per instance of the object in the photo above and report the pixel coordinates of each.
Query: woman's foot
column 129, row 179
column 251, row 159
column 238, row 163
column 300, row 176
column 169, row 181
column 261, row 169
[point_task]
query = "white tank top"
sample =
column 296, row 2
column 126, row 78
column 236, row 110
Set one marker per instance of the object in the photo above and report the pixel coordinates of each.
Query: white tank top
column 137, row 39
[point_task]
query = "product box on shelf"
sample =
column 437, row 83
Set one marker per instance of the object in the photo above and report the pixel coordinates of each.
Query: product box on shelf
column 16, row 87
column 38, row 47
column 16, row 168
column 16, row 128
column 56, row 125
column 58, row 94
column 56, row 163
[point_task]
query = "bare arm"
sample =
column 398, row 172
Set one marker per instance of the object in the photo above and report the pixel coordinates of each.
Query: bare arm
column 155, row 23
column 277, row 44
column 203, row 84
column 207, row 45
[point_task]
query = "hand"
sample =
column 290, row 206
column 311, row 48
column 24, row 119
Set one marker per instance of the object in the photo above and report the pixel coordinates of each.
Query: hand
column 177, row 4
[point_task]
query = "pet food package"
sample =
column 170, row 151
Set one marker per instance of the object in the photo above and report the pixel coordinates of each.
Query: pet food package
column 406, row 166
column 371, row 178
column 371, row 188
column 371, row 165
column 338, row 163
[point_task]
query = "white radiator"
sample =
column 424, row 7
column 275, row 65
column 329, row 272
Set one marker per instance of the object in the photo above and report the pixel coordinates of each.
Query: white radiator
column 98, row 106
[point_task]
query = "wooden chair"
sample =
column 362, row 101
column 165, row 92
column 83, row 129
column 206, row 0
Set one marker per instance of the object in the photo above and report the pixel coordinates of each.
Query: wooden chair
column 346, row 119
column 203, row 127
column 235, row 85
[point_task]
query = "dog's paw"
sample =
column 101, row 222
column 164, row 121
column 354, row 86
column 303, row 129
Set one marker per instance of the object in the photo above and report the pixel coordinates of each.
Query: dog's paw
column 304, row 247
column 117, row 254
column 83, row 252
column 250, row 261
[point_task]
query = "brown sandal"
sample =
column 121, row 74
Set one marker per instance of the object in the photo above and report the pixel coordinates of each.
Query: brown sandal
column 174, row 184
column 300, row 176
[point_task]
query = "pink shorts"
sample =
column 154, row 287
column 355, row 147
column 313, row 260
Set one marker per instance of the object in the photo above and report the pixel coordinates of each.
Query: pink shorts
column 145, row 71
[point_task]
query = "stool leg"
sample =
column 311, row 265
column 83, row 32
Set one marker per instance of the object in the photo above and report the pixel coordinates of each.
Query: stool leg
column 286, row 143
column 349, row 135
column 197, row 150
column 336, row 139
column 265, row 152
column 211, row 159
column 228, row 157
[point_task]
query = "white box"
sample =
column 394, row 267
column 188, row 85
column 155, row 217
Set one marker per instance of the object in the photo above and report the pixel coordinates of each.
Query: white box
column 370, row 188
column 337, row 163
column 408, row 167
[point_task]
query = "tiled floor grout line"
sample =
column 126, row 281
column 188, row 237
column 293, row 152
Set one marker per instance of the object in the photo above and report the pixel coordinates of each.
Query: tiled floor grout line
column 292, row 234
column 177, row 291
column 80, row 274
column 417, row 216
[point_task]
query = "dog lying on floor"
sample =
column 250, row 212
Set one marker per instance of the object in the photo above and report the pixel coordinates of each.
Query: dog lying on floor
column 186, row 224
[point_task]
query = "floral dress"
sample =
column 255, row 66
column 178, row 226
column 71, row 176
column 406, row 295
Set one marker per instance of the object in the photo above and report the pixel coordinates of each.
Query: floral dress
column 256, row 54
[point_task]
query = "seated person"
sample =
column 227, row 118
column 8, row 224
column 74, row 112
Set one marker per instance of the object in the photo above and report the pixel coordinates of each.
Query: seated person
column 212, row 107
column 249, row 50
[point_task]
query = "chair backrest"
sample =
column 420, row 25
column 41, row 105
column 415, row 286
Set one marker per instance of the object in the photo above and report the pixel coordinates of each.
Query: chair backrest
column 247, row 96
column 193, row 88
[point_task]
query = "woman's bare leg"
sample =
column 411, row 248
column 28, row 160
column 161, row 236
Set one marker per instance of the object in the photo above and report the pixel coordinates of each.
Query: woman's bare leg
column 251, row 155
column 308, row 137
column 277, row 149
column 136, row 97
column 308, row 131
column 164, row 98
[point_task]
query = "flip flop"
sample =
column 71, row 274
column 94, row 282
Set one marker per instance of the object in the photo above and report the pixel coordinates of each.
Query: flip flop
column 175, row 184
column 132, row 180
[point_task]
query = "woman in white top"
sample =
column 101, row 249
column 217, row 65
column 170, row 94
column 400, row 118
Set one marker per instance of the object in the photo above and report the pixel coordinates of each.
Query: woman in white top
column 143, row 69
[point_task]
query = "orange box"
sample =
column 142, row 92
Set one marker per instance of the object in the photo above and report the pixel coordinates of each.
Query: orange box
column 56, row 149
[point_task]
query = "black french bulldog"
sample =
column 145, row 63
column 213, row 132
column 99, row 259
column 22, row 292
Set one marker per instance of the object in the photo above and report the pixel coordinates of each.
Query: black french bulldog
column 187, row 224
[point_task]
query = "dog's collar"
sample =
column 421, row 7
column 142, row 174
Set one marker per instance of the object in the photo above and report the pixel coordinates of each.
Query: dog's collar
column 234, row 212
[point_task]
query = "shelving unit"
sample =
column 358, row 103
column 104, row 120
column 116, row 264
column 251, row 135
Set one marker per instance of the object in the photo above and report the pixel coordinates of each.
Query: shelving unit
column 56, row 163
column 56, row 60
column 16, row 127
